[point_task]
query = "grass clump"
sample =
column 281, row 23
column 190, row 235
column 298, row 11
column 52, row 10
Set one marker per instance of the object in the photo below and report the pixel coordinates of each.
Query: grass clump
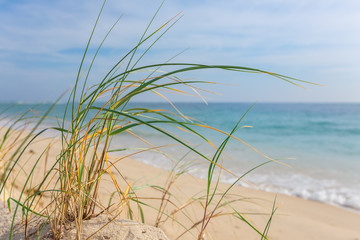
column 70, row 190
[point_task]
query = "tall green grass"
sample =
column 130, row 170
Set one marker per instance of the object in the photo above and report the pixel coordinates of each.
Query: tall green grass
column 101, row 112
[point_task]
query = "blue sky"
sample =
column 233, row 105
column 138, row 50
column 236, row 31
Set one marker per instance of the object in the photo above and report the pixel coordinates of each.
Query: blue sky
column 41, row 43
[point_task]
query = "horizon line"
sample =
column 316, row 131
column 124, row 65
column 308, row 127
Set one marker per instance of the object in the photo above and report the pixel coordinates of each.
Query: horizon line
column 210, row 102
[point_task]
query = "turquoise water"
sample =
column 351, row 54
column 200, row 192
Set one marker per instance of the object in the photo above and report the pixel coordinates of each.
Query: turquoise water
column 320, row 144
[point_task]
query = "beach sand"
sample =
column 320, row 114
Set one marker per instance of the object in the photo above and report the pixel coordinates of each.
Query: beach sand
column 294, row 218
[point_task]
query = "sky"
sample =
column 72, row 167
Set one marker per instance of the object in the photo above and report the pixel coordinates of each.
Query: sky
column 41, row 45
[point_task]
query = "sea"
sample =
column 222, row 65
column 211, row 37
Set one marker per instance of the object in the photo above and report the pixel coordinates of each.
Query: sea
column 314, row 147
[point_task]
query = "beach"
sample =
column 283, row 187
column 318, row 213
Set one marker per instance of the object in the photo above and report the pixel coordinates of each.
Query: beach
column 295, row 218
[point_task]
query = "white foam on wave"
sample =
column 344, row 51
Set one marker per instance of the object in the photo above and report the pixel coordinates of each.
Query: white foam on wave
column 329, row 191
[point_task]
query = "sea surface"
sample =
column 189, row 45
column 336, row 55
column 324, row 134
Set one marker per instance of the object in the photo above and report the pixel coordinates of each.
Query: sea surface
column 316, row 147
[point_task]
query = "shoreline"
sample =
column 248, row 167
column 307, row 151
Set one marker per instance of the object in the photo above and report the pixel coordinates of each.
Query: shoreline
column 254, row 186
column 327, row 175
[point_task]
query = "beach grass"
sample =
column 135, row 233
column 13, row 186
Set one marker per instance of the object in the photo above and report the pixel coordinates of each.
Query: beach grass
column 69, row 190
